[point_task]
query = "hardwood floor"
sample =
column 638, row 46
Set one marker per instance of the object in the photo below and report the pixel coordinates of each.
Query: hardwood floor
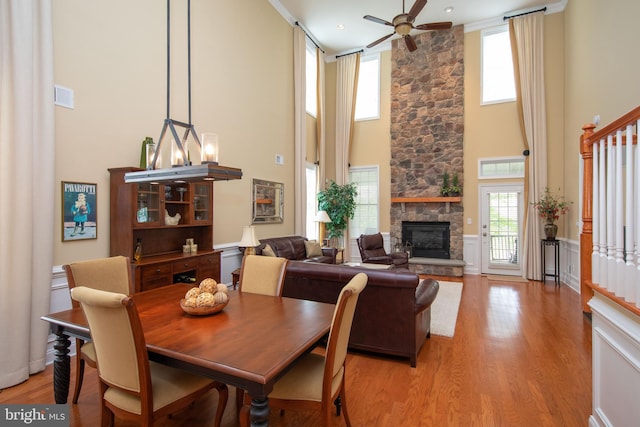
column 521, row 356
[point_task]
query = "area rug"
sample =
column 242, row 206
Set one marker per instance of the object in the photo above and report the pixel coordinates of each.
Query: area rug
column 444, row 310
column 500, row 278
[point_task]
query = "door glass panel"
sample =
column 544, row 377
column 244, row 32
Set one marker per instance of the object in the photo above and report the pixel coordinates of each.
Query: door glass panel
column 504, row 246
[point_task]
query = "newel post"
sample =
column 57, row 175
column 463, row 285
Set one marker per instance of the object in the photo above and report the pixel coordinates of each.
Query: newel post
column 586, row 235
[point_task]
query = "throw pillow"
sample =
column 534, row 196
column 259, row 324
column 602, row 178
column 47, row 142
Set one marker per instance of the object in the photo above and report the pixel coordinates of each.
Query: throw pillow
column 268, row 251
column 313, row 248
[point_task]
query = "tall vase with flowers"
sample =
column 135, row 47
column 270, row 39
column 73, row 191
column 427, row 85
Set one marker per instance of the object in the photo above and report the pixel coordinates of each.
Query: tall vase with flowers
column 550, row 207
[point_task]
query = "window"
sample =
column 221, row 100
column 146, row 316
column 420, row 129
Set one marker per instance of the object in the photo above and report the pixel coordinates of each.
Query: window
column 311, row 80
column 365, row 219
column 368, row 93
column 312, row 202
column 505, row 167
column 497, row 66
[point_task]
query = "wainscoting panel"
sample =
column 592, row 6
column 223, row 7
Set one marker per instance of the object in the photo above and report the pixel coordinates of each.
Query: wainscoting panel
column 616, row 364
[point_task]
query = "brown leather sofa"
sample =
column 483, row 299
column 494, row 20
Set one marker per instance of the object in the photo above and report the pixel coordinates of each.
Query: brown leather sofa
column 393, row 315
column 372, row 251
column 293, row 248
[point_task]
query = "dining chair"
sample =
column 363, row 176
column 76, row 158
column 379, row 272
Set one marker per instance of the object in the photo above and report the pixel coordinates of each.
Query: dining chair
column 132, row 387
column 107, row 274
column 262, row 274
column 317, row 381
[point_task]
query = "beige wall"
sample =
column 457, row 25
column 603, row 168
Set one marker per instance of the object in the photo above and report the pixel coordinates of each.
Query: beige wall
column 601, row 73
column 241, row 89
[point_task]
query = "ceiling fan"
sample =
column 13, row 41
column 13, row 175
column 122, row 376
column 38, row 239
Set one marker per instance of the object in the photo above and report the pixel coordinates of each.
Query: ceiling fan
column 403, row 24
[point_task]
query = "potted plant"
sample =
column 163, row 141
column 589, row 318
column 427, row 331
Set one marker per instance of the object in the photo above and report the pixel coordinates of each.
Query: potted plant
column 450, row 185
column 339, row 201
column 550, row 207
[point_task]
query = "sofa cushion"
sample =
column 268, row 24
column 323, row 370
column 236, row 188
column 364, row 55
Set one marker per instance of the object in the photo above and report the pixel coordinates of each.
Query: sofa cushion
column 268, row 251
column 313, row 248
column 294, row 249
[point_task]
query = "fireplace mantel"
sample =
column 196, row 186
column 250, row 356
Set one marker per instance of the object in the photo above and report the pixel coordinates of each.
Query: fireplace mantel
column 446, row 200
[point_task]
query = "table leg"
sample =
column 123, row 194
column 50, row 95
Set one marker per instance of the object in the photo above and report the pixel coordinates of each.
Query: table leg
column 259, row 412
column 61, row 366
column 556, row 250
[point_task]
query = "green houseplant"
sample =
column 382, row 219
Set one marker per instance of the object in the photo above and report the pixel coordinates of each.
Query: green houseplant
column 450, row 186
column 339, row 201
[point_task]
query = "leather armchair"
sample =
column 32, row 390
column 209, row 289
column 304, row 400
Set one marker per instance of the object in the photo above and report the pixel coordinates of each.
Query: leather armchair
column 372, row 251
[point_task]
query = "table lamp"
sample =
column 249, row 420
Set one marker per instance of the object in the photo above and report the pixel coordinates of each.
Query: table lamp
column 248, row 240
column 322, row 217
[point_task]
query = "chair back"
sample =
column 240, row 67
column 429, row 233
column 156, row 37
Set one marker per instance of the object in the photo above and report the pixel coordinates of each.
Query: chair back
column 370, row 246
column 118, row 338
column 263, row 275
column 111, row 274
column 336, row 352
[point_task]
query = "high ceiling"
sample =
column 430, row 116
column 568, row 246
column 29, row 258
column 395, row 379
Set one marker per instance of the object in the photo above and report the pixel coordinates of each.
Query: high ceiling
column 320, row 18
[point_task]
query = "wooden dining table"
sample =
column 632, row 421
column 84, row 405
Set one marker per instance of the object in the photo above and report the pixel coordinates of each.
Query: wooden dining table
column 249, row 344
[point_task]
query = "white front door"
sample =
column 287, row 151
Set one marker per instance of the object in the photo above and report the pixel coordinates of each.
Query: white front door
column 501, row 217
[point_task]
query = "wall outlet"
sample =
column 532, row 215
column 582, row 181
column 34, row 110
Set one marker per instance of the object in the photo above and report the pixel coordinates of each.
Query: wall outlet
column 279, row 159
column 63, row 96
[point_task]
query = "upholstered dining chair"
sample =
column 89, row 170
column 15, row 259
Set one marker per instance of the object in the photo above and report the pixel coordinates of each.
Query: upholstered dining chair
column 261, row 275
column 131, row 386
column 372, row 251
column 317, row 380
column 108, row 274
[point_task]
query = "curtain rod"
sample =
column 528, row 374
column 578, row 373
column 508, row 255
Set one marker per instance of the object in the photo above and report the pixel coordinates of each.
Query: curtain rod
column 350, row 53
column 544, row 9
column 309, row 37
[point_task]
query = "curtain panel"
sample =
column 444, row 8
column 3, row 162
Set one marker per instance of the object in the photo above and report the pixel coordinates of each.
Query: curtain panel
column 27, row 187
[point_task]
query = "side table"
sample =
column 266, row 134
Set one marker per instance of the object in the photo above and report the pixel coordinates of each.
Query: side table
column 235, row 277
column 556, row 256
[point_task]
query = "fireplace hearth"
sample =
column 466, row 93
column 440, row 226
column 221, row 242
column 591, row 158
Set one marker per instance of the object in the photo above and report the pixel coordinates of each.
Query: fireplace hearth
column 428, row 239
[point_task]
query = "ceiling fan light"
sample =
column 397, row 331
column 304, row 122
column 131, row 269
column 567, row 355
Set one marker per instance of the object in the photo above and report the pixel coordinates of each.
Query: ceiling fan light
column 403, row 29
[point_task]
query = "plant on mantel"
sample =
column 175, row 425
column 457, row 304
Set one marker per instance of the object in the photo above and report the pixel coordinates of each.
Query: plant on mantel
column 450, row 188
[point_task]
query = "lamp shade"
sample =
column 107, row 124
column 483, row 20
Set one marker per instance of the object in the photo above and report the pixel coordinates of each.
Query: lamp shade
column 322, row 216
column 209, row 150
column 248, row 237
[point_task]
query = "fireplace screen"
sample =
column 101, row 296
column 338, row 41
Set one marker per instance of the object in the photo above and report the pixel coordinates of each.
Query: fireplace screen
column 428, row 239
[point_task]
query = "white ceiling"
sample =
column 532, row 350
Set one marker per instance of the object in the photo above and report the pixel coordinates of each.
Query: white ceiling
column 320, row 18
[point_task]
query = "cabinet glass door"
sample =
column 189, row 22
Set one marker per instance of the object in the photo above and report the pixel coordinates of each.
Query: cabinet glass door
column 202, row 202
column 148, row 204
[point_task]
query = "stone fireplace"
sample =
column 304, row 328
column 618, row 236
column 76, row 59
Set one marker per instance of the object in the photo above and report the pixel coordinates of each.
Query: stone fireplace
column 427, row 125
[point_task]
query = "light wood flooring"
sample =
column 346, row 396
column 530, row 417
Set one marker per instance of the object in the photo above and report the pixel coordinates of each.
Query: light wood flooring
column 521, row 356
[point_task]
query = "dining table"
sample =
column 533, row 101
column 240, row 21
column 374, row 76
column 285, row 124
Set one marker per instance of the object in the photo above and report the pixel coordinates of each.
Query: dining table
column 250, row 344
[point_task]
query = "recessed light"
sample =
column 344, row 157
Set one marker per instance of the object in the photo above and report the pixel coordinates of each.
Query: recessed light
column 448, row 9
column 340, row 27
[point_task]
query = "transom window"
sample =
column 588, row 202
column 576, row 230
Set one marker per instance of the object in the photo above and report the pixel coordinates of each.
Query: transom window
column 503, row 167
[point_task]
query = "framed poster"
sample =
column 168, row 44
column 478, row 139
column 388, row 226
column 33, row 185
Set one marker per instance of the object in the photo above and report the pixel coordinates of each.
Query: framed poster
column 268, row 201
column 79, row 211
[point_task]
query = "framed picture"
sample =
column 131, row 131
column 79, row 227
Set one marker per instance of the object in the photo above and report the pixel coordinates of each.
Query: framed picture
column 268, row 201
column 79, row 211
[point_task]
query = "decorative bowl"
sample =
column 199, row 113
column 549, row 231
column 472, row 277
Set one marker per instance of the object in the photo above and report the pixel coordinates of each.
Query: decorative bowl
column 203, row 311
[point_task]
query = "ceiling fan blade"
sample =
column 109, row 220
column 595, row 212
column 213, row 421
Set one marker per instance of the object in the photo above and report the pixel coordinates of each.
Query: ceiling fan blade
column 434, row 26
column 377, row 20
column 417, row 8
column 380, row 40
column 411, row 43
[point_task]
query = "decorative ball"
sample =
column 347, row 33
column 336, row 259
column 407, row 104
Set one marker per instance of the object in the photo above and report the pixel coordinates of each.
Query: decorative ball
column 205, row 299
column 221, row 287
column 192, row 293
column 220, row 297
column 208, row 285
column 191, row 302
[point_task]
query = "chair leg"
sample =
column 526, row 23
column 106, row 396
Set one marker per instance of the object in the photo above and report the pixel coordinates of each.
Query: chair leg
column 223, row 397
column 239, row 399
column 343, row 402
column 79, row 375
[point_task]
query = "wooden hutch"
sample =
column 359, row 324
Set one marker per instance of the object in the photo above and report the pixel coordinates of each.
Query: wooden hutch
column 142, row 212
